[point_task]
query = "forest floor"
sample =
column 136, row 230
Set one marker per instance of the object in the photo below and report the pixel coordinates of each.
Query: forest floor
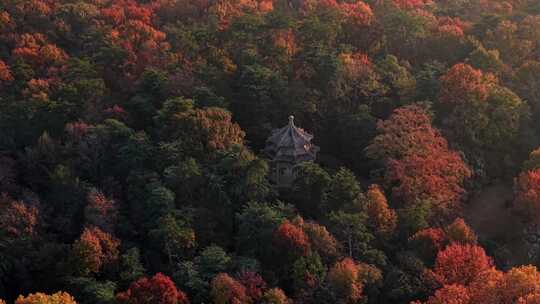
column 500, row 231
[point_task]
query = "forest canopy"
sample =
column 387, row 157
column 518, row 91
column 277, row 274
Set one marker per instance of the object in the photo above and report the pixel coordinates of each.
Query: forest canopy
column 133, row 166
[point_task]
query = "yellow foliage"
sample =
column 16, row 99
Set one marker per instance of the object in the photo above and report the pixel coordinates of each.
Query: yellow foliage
column 41, row 298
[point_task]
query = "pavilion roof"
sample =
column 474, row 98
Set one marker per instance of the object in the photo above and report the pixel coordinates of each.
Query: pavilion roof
column 291, row 144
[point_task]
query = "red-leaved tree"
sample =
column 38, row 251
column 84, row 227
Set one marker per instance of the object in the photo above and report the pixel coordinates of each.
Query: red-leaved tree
column 461, row 264
column 419, row 162
column 291, row 239
column 254, row 284
column 159, row 289
column 463, row 83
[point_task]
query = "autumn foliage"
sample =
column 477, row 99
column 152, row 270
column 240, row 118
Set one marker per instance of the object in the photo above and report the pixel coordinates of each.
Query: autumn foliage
column 462, row 84
column 382, row 217
column 276, row 296
column 439, row 180
column 18, row 219
column 226, row 290
column 345, row 281
column 407, row 142
column 459, row 232
column 533, row 162
column 451, row 294
column 226, row 10
column 429, row 242
column 5, row 73
column 407, row 132
column 132, row 29
column 208, row 129
column 133, row 166
column 159, row 289
column 100, row 211
column 411, row 4
column 41, row 298
column 527, row 195
column 95, row 249
column 254, row 284
column 34, row 49
column 461, row 264
column 321, row 240
column 358, row 12
column 517, row 285
column 291, row 239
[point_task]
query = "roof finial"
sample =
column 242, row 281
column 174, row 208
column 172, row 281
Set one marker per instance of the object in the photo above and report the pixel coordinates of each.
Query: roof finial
column 291, row 121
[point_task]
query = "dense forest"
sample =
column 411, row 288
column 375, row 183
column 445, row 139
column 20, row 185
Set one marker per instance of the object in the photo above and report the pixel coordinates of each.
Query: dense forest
column 132, row 135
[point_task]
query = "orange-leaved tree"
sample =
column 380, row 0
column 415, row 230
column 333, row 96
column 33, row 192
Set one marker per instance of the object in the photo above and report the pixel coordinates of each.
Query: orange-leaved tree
column 527, row 197
column 344, row 280
column 41, row 298
column 419, row 163
column 95, row 249
column 291, row 239
column 227, row 290
column 381, row 217
column 461, row 264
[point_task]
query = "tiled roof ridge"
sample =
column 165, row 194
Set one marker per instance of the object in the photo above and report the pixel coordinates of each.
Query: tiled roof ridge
column 291, row 143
